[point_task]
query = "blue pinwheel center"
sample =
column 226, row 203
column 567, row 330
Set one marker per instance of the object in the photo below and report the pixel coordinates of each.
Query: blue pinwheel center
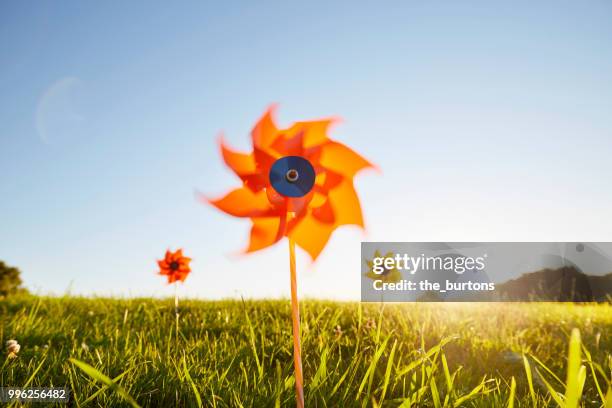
column 292, row 176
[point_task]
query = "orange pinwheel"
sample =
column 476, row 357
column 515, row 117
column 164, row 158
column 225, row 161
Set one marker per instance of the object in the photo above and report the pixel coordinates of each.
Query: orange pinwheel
column 298, row 183
column 175, row 266
column 309, row 220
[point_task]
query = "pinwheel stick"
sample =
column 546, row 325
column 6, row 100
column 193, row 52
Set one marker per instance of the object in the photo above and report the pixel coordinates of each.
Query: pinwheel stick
column 295, row 316
column 176, row 309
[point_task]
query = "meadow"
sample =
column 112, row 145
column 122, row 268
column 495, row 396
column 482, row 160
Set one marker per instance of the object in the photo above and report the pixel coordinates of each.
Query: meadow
column 127, row 352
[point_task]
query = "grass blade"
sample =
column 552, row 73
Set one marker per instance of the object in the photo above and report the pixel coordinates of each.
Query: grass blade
column 573, row 390
column 435, row 349
column 322, row 370
column 592, row 366
column 447, row 375
column 388, row 372
column 369, row 375
column 529, row 380
column 35, row 372
column 553, row 393
column 434, row 391
column 512, row 392
column 98, row 376
column 193, row 386
column 608, row 402
column 459, row 401
column 105, row 387
column 253, row 345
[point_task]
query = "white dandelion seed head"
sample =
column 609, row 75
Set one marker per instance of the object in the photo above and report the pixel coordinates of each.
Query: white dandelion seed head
column 13, row 347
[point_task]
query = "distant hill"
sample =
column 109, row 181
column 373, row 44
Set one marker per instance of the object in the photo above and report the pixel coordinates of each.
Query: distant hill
column 566, row 284
column 601, row 287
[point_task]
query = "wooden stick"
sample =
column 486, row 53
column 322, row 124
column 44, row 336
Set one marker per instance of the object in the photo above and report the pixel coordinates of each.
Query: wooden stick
column 176, row 309
column 295, row 316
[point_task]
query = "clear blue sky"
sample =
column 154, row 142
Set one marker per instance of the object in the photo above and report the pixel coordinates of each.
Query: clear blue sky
column 489, row 120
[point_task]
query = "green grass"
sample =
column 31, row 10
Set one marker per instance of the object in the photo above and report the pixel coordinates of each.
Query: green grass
column 122, row 352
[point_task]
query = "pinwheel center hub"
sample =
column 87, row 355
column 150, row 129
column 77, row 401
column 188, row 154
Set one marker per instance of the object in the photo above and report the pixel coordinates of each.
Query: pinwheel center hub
column 174, row 265
column 292, row 175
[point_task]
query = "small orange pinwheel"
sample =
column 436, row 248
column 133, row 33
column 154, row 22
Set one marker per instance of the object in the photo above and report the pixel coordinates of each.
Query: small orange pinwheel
column 175, row 266
column 329, row 203
column 298, row 183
